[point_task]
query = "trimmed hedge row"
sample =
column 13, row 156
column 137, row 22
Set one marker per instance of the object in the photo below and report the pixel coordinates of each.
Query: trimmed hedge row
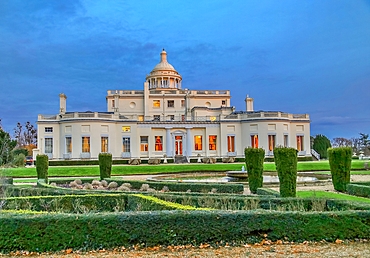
column 262, row 202
column 54, row 232
column 92, row 203
column 267, row 191
column 359, row 189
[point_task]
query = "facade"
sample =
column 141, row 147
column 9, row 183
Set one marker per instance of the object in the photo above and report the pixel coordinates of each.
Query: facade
column 165, row 119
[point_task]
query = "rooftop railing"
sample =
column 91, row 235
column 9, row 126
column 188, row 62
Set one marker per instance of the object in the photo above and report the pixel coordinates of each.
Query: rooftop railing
column 174, row 118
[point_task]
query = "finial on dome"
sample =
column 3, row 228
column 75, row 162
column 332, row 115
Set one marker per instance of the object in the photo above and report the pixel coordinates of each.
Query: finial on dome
column 164, row 56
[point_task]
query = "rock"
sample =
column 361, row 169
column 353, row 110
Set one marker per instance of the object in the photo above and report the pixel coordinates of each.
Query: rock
column 134, row 162
column 153, row 161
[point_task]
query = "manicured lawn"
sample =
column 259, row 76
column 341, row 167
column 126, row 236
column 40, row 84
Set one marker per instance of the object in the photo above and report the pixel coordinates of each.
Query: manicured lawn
column 77, row 171
column 331, row 195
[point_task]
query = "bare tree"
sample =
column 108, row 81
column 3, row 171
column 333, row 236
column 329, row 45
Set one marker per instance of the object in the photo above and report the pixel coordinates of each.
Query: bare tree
column 25, row 135
column 341, row 142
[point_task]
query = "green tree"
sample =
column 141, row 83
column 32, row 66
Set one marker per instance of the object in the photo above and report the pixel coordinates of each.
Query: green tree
column 6, row 147
column 321, row 143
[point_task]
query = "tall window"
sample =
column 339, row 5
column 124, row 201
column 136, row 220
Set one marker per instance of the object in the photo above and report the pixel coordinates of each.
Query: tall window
column 170, row 103
column 68, row 144
column 183, row 103
column 254, row 141
column 300, row 146
column 158, row 143
column 85, row 144
column 198, row 142
column 285, row 140
column 126, row 147
column 212, row 142
column 231, row 143
column 48, row 145
column 271, row 140
column 143, row 143
column 156, row 103
column 48, row 129
column 104, row 144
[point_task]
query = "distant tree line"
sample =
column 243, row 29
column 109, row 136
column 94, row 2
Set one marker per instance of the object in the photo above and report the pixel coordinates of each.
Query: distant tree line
column 13, row 150
column 359, row 145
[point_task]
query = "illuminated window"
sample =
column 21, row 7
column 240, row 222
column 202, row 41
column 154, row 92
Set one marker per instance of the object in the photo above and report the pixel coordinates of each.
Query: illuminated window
column 126, row 146
column 300, row 146
column 254, row 141
column 104, row 144
column 231, row 143
column 170, row 103
column 69, row 144
column 213, row 118
column 143, row 143
column 212, row 142
column 285, row 140
column 141, row 118
column 126, row 129
column 158, row 143
column 48, row 129
column 156, row 103
column 48, row 145
column 198, row 142
column 85, row 144
column 271, row 141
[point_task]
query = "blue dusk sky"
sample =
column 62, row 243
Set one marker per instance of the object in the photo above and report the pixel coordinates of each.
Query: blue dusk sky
column 296, row 56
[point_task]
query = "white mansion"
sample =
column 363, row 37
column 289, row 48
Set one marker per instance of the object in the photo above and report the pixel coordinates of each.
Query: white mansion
column 165, row 119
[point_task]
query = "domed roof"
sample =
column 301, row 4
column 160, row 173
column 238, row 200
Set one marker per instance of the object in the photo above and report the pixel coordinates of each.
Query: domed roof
column 163, row 64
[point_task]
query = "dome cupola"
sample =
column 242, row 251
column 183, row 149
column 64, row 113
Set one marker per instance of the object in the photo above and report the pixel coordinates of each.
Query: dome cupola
column 164, row 75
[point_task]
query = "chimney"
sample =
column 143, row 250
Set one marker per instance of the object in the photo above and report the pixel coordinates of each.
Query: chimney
column 249, row 104
column 62, row 103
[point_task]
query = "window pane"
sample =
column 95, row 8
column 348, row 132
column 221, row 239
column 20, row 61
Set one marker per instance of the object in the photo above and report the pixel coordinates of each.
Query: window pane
column 198, row 142
column 285, row 140
column 158, row 143
column 254, row 141
column 143, row 143
column 85, row 144
column 68, row 144
column 104, row 144
column 156, row 103
column 48, row 145
column 231, row 143
column 126, row 129
column 48, row 129
column 170, row 103
column 271, row 140
column 212, row 142
column 126, row 144
column 300, row 146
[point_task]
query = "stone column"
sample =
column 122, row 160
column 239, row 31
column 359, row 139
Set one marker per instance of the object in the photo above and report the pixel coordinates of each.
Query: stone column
column 188, row 142
column 169, row 145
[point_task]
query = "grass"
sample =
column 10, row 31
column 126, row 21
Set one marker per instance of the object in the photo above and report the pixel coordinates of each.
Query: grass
column 331, row 195
column 119, row 170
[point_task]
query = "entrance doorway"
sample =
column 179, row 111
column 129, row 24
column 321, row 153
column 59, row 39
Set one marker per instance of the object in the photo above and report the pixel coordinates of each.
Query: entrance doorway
column 178, row 145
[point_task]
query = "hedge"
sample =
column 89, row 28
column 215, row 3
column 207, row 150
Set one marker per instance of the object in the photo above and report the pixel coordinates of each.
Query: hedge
column 92, row 203
column 340, row 167
column 254, row 158
column 105, row 165
column 286, row 166
column 55, row 232
column 42, row 165
column 358, row 189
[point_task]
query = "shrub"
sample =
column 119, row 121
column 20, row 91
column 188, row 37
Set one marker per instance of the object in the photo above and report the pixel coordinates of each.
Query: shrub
column 286, row 166
column 340, row 167
column 254, row 158
column 42, row 165
column 105, row 165
column 19, row 160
